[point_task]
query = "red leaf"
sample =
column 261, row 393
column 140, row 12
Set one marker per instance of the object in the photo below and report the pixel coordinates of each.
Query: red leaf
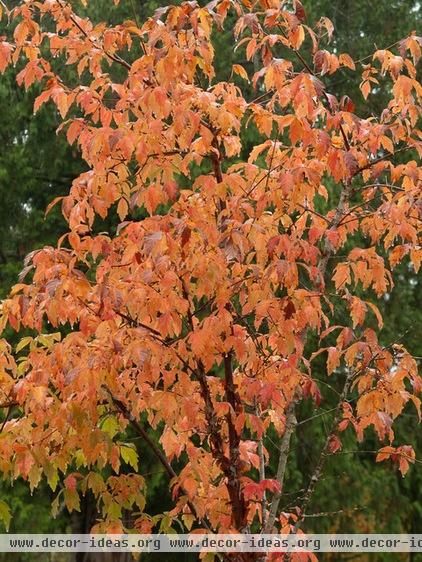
column 334, row 444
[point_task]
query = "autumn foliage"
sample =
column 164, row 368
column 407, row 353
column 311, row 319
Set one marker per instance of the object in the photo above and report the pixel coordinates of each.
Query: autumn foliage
column 201, row 315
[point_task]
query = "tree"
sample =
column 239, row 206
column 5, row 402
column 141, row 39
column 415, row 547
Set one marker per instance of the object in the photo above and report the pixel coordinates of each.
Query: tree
column 200, row 317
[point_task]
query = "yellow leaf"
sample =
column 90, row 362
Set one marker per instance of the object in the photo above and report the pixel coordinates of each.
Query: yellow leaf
column 129, row 455
column 23, row 343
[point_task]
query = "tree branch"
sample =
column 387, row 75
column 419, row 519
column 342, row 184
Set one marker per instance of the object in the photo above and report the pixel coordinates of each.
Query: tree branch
column 381, row 159
column 233, row 399
column 291, row 420
column 316, row 475
column 114, row 58
column 262, row 477
column 155, row 449
column 229, row 466
column 282, row 463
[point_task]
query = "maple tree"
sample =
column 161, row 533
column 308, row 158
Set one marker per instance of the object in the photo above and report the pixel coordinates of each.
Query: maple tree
column 201, row 315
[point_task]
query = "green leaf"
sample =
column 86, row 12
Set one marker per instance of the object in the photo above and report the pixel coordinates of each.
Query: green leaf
column 96, row 483
column 55, row 505
column 80, row 459
column 52, row 475
column 166, row 523
column 5, row 515
column 188, row 519
column 140, row 501
column 71, row 499
column 114, row 510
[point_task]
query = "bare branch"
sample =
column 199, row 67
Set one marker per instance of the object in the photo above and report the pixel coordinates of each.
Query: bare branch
column 282, row 462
